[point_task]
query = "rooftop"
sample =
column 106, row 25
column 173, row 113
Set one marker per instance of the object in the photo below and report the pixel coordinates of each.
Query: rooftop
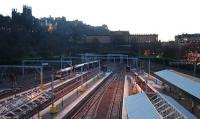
column 139, row 107
column 184, row 83
column 185, row 112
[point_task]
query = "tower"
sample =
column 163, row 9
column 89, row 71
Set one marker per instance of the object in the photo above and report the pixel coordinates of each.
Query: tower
column 27, row 11
column 15, row 14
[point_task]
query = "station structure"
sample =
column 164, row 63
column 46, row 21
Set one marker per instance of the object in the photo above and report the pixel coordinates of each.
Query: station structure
column 19, row 105
column 86, row 91
column 157, row 104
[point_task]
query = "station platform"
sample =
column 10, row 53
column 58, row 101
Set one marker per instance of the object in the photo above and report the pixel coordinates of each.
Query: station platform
column 160, row 103
column 27, row 100
column 185, row 84
column 72, row 99
column 126, row 93
column 152, row 82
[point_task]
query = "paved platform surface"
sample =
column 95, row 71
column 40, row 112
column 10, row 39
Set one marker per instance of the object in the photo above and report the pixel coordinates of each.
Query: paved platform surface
column 70, row 100
column 81, row 97
column 126, row 91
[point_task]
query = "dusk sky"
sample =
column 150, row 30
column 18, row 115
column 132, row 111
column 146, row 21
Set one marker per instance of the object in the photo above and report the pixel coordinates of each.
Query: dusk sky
column 164, row 17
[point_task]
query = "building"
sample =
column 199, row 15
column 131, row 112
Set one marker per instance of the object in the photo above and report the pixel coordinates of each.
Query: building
column 120, row 35
column 27, row 12
column 124, row 40
column 143, row 38
column 190, row 45
column 98, row 39
column 170, row 44
column 146, row 44
column 185, row 39
column 124, row 36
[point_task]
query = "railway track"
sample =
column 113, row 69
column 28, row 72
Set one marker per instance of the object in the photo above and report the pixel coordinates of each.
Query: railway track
column 106, row 101
column 63, row 90
column 117, row 100
column 21, row 89
column 31, row 106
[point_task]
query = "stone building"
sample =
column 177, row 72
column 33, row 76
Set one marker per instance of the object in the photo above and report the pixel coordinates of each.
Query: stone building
column 98, row 39
column 143, row 38
column 186, row 39
column 124, row 36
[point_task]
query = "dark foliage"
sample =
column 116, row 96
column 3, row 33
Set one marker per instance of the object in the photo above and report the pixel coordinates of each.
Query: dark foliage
column 24, row 36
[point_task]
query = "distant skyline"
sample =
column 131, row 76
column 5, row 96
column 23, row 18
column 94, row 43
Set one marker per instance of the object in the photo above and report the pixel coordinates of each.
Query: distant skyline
column 163, row 17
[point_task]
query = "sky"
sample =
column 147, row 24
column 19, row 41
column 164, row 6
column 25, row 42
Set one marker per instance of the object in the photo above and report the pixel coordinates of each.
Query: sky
column 166, row 18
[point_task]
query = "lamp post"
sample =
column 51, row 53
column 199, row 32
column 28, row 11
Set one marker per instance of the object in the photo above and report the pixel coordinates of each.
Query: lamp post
column 127, row 60
column 42, row 87
column 194, row 68
column 82, row 88
column 23, row 69
column 53, row 107
column 61, row 63
column 62, row 96
column 195, row 64
column 149, row 68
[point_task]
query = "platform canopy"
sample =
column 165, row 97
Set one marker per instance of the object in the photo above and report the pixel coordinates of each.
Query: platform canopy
column 185, row 112
column 189, row 86
column 139, row 107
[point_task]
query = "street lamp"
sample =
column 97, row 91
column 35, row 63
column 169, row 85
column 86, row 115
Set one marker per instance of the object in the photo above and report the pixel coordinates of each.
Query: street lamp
column 61, row 63
column 82, row 88
column 195, row 64
column 99, row 67
column 149, row 68
column 53, row 109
